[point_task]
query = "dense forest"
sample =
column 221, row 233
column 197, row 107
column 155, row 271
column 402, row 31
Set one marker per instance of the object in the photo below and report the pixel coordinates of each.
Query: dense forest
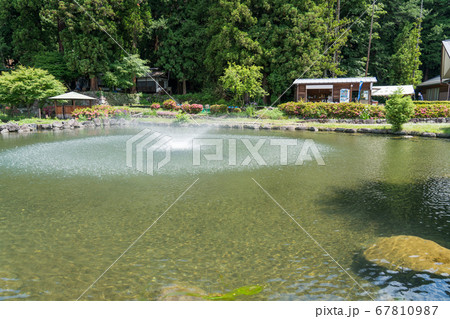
column 194, row 41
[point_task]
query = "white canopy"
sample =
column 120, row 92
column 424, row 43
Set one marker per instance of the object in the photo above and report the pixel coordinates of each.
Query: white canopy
column 390, row 90
column 72, row 96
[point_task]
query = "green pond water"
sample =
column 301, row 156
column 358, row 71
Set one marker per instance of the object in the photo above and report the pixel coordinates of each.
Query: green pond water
column 69, row 207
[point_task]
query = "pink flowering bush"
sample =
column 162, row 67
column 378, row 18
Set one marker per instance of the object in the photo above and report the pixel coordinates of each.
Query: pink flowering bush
column 100, row 111
column 322, row 110
column 218, row 109
column 155, row 106
column 428, row 110
column 192, row 108
column 422, row 109
column 170, row 104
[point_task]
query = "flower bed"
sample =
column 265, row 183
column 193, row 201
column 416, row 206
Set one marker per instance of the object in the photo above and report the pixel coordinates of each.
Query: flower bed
column 322, row 110
column 432, row 110
column 331, row 110
column 101, row 111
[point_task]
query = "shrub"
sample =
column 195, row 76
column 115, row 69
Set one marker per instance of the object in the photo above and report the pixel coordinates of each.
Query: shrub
column 192, row 108
column 399, row 110
column 250, row 111
column 182, row 118
column 331, row 110
column 49, row 111
column 235, row 110
column 435, row 109
column 155, row 106
column 169, row 104
column 218, row 109
column 100, row 111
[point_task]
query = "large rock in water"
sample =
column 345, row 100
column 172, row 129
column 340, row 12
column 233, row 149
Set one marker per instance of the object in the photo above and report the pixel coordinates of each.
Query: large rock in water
column 180, row 293
column 410, row 252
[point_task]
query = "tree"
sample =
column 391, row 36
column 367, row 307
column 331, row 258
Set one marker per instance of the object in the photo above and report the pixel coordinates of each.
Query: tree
column 356, row 49
column 399, row 110
column 24, row 86
column 21, row 31
column 124, row 72
column 182, row 42
column 55, row 64
column 242, row 80
column 230, row 25
column 436, row 27
column 406, row 60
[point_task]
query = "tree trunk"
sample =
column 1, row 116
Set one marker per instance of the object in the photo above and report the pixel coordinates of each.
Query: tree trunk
column 94, row 84
column 184, row 86
column 133, row 88
column 60, row 28
column 266, row 98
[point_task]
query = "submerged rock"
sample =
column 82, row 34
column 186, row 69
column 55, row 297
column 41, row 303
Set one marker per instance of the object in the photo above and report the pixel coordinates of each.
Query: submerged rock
column 179, row 293
column 410, row 252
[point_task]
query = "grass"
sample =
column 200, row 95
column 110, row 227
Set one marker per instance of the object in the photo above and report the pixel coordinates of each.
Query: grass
column 409, row 127
column 33, row 120
column 414, row 127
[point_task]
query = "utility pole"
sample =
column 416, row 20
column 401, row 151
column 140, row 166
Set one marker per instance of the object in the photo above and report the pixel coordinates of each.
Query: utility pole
column 370, row 38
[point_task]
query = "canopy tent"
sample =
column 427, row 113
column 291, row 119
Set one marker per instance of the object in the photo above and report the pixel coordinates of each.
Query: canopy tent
column 390, row 90
column 445, row 63
column 74, row 96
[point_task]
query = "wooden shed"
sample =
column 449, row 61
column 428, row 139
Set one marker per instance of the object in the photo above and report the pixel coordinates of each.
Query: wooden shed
column 434, row 89
column 438, row 88
column 334, row 89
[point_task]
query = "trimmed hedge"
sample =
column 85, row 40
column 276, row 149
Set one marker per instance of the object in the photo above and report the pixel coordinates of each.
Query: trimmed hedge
column 101, row 111
column 429, row 110
column 421, row 103
column 331, row 110
column 422, row 109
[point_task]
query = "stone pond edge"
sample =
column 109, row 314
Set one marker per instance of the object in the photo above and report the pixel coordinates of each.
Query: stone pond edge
column 97, row 123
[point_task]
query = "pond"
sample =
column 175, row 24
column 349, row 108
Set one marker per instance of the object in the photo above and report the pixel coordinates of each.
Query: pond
column 70, row 206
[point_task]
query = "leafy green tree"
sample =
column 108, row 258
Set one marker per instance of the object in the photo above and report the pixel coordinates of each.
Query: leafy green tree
column 55, row 64
column 182, row 42
column 243, row 80
column 436, row 27
column 230, row 23
column 296, row 38
column 399, row 110
column 24, row 86
column 406, row 60
column 124, row 72
column 354, row 53
column 21, row 31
